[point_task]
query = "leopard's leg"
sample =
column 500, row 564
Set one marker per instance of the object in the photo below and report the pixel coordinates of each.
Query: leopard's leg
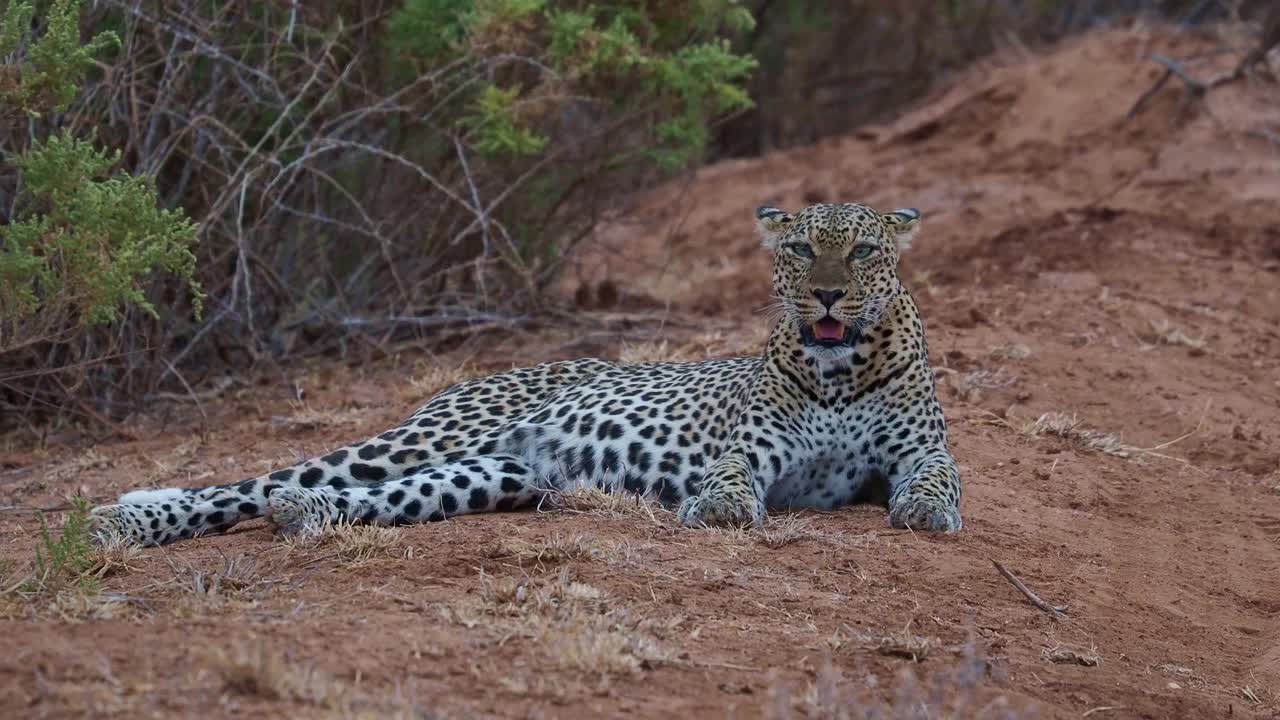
column 465, row 420
column 733, row 489
column 926, row 496
column 729, row 494
column 156, row 517
column 472, row 485
column 157, row 523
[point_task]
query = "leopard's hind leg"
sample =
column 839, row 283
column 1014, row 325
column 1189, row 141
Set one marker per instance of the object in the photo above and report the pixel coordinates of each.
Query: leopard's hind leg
column 473, row 485
column 467, row 420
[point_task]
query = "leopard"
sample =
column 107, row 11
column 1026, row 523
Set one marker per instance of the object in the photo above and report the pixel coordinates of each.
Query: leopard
column 839, row 408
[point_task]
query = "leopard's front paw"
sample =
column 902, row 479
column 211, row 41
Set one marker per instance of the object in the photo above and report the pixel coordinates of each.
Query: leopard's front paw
column 732, row 507
column 925, row 513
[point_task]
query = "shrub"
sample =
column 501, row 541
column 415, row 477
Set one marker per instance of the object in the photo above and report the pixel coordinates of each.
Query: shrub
column 83, row 242
column 360, row 173
column 83, row 258
column 46, row 76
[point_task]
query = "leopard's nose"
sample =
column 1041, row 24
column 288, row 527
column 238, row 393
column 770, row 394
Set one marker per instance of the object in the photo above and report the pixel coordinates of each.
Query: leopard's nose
column 828, row 297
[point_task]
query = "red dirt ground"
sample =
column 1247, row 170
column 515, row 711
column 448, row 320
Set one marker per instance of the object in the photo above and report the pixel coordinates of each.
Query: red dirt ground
column 1119, row 278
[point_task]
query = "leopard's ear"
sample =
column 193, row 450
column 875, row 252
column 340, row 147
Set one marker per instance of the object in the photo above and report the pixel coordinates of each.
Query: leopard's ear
column 903, row 224
column 772, row 223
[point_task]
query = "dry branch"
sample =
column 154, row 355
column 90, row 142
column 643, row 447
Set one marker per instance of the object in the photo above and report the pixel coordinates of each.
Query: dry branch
column 1197, row 89
column 325, row 225
column 1058, row 612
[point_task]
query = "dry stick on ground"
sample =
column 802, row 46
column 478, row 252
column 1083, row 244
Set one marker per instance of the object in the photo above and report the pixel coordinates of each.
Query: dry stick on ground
column 1267, row 135
column 33, row 509
column 1196, row 89
column 1057, row 612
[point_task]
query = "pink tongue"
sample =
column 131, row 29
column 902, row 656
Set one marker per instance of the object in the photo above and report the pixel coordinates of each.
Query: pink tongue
column 828, row 329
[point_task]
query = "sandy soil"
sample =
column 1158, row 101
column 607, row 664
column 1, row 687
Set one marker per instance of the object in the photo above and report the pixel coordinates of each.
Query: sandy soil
column 1102, row 298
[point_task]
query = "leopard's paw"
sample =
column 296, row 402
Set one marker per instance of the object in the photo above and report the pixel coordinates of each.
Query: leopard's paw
column 718, row 507
column 300, row 511
column 925, row 513
column 122, row 523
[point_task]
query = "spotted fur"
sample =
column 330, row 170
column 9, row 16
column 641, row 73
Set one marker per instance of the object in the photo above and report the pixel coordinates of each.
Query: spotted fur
column 839, row 408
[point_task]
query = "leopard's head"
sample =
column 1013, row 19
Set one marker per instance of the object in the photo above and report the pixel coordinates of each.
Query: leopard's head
column 835, row 269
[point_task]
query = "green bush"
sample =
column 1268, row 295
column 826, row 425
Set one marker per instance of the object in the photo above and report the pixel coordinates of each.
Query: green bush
column 94, row 242
column 355, row 176
column 613, row 86
column 83, row 242
column 601, row 59
column 47, row 75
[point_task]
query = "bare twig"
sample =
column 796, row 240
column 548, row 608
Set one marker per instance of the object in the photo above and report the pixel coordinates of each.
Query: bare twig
column 24, row 509
column 1197, row 89
column 204, row 417
column 1058, row 612
column 1263, row 134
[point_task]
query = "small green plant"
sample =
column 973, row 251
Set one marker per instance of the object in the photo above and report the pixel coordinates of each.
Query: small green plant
column 64, row 563
column 64, row 577
column 496, row 125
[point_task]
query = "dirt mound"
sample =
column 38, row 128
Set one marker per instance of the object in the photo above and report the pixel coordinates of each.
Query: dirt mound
column 1102, row 296
column 1015, row 142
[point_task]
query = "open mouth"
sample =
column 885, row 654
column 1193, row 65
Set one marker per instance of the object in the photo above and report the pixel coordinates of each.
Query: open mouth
column 828, row 332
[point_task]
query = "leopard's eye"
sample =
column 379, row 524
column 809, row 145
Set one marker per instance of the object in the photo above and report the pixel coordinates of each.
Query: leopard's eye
column 862, row 252
column 801, row 249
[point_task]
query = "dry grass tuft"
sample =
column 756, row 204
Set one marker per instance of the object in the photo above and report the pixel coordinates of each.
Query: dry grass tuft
column 557, row 597
column 261, row 673
column 360, row 543
column 78, row 606
column 1163, row 332
column 595, row 501
column 971, row 386
column 951, row 691
column 237, row 575
column 113, row 556
column 556, row 549
column 352, row 543
column 1070, row 427
column 906, row 645
column 258, row 672
column 786, row 529
column 1009, row 351
column 589, row 648
column 1064, row 654
column 78, row 466
column 176, row 464
column 702, row 346
column 648, row 352
column 434, row 378
column 580, row 626
column 309, row 418
column 902, row 643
